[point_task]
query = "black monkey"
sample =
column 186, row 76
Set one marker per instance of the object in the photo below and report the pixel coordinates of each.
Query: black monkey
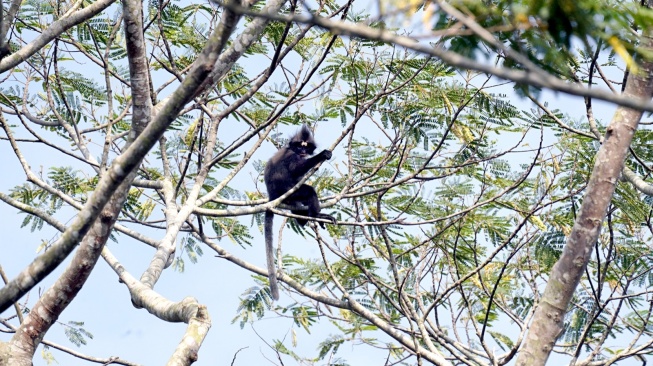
column 282, row 172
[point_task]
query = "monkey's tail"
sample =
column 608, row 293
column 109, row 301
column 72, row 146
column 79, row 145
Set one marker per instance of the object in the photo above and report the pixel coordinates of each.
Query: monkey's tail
column 269, row 253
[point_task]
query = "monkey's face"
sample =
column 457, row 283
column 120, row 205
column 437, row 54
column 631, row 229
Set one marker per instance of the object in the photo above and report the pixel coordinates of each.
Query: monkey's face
column 302, row 148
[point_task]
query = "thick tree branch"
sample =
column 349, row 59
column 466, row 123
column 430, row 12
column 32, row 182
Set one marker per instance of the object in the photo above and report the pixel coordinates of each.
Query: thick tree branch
column 204, row 64
column 48, row 308
column 6, row 21
column 117, row 173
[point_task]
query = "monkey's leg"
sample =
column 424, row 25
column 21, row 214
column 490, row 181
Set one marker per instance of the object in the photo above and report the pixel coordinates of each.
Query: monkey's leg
column 305, row 195
column 308, row 197
column 313, row 203
column 301, row 222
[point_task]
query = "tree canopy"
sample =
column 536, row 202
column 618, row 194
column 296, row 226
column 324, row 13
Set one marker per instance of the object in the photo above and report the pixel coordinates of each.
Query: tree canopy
column 490, row 180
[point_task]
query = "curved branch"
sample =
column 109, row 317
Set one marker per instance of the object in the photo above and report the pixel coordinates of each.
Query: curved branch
column 188, row 311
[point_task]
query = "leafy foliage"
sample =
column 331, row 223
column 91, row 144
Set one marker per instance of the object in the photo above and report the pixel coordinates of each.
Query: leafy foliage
column 454, row 198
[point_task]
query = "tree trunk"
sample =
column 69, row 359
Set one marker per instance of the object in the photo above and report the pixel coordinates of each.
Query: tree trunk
column 566, row 273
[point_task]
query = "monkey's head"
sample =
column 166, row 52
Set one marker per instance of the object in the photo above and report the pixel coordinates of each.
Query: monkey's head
column 302, row 143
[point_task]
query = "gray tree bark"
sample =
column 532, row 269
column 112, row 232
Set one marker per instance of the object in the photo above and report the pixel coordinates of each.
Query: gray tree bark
column 566, row 273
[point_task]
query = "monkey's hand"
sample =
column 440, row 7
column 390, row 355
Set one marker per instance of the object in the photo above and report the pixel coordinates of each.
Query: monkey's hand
column 325, row 154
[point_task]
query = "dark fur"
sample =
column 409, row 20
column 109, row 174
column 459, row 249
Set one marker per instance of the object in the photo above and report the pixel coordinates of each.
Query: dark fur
column 282, row 172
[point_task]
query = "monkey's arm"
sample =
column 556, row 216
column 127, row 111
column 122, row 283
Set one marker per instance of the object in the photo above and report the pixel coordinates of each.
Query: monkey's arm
column 301, row 166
